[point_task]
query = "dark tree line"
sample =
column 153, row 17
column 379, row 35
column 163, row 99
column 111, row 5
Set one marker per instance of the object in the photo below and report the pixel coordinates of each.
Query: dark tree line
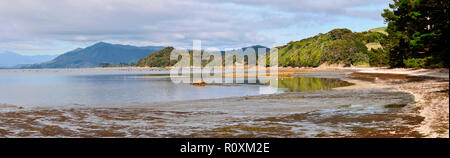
column 122, row 64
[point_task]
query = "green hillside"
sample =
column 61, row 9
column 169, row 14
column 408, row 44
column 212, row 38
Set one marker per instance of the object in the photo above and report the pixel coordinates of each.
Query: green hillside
column 339, row 46
column 157, row 59
column 380, row 30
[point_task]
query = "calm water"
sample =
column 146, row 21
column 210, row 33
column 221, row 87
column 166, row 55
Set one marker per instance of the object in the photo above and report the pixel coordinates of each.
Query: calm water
column 51, row 88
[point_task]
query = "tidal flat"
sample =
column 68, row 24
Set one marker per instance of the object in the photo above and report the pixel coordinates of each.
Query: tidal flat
column 375, row 104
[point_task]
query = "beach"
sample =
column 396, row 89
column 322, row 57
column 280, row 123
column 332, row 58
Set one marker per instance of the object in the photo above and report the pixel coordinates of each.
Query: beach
column 380, row 103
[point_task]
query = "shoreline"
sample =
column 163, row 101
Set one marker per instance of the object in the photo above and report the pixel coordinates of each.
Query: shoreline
column 431, row 96
column 254, row 109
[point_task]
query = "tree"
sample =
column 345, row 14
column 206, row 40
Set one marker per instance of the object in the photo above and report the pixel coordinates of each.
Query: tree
column 417, row 29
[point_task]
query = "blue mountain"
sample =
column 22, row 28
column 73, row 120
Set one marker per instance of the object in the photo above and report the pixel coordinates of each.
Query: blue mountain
column 14, row 60
column 98, row 53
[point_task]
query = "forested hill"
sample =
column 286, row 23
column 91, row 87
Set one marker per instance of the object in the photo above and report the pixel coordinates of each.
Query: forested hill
column 339, row 46
column 162, row 57
column 157, row 59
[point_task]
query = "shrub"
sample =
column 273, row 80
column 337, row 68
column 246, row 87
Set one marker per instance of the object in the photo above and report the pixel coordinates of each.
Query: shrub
column 378, row 57
column 416, row 62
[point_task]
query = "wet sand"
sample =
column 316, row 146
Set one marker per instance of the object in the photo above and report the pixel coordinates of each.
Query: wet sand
column 430, row 89
column 377, row 105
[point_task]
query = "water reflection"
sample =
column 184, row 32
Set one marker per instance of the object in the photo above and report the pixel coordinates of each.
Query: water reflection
column 61, row 89
column 299, row 84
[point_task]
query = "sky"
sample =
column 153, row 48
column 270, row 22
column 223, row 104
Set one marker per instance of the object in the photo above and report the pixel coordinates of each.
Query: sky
column 58, row 26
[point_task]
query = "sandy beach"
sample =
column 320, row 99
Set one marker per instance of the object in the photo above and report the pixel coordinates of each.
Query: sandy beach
column 380, row 103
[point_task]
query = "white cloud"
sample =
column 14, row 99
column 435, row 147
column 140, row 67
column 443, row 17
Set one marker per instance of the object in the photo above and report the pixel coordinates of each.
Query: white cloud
column 172, row 22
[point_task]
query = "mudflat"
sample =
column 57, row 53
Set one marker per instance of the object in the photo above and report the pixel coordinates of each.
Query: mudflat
column 380, row 103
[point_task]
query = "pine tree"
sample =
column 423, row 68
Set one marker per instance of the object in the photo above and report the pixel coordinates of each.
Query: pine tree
column 418, row 29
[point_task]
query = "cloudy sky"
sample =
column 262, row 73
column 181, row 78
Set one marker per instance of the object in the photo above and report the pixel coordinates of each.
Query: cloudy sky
column 33, row 27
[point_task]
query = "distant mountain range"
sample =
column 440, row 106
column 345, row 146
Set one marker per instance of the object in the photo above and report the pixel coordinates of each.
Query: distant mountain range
column 256, row 48
column 98, row 53
column 14, row 60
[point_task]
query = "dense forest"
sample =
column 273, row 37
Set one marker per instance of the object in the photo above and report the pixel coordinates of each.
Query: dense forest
column 418, row 33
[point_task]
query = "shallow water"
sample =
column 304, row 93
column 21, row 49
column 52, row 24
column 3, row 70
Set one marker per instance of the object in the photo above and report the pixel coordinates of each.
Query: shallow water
column 92, row 87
